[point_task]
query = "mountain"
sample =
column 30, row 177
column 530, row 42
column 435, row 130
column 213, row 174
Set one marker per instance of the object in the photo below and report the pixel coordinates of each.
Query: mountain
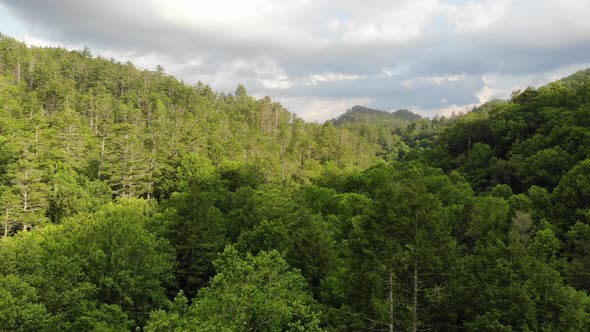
column 362, row 114
column 407, row 115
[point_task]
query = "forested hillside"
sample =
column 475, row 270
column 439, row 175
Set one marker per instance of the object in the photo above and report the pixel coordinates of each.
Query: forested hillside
column 131, row 201
column 394, row 132
column 399, row 118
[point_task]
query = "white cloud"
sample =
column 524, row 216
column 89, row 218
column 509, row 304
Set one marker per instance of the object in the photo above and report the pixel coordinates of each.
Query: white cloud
column 272, row 76
column 501, row 86
column 320, row 109
column 280, row 82
column 487, row 92
column 447, row 111
column 386, row 21
column 314, row 79
column 432, row 80
column 476, row 17
column 426, row 53
column 43, row 42
column 540, row 23
column 280, row 25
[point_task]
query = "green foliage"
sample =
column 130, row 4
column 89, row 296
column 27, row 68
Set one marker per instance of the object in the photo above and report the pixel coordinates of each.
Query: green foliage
column 129, row 266
column 534, row 139
column 518, row 286
column 95, row 271
column 72, row 194
column 176, row 318
column 572, row 195
column 578, row 267
column 194, row 225
column 19, row 307
column 367, row 115
column 401, row 245
column 248, row 293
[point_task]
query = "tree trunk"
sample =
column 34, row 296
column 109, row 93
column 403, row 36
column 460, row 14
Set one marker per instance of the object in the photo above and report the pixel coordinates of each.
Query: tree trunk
column 101, row 155
column 36, row 141
column 25, row 200
column 391, row 306
column 276, row 121
column 68, row 139
column 92, row 115
column 122, row 84
column 31, row 73
column 18, row 67
column 415, row 279
column 6, row 224
column 415, row 299
column 152, row 169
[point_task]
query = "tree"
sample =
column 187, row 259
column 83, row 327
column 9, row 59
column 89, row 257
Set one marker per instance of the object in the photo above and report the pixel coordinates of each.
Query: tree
column 71, row 194
column 26, row 176
column 19, row 307
column 546, row 167
column 402, row 252
column 518, row 284
column 191, row 220
column 578, row 266
column 572, row 195
column 126, row 169
column 45, row 260
column 129, row 266
column 249, row 293
column 10, row 204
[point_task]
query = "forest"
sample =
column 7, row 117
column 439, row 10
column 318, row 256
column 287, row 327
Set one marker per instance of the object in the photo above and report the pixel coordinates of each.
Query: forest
column 132, row 201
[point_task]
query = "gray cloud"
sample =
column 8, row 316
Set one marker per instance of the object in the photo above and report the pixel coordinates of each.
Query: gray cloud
column 315, row 52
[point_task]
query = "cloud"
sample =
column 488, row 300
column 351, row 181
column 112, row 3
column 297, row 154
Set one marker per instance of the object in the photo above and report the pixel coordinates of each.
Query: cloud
column 314, row 79
column 487, row 92
column 425, row 55
column 502, row 85
column 432, row 80
column 322, row 109
column 446, row 111
column 536, row 24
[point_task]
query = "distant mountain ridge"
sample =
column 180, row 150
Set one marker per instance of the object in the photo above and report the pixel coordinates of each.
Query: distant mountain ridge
column 362, row 114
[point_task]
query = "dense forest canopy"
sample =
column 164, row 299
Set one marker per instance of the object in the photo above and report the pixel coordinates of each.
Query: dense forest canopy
column 132, row 201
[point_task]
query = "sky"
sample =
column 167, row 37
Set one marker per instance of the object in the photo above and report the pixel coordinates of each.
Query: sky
column 321, row 57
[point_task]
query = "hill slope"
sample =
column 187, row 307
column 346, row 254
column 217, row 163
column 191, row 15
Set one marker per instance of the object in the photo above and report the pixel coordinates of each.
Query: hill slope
column 362, row 114
column 69, row 106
